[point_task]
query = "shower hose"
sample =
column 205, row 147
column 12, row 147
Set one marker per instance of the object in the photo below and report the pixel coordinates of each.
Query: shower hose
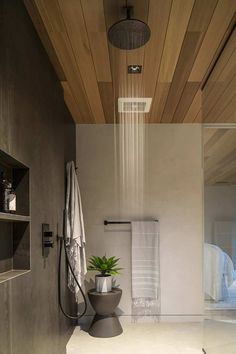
column 62, row 242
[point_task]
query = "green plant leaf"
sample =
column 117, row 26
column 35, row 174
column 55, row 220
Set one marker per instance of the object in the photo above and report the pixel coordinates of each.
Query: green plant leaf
column 105, row 265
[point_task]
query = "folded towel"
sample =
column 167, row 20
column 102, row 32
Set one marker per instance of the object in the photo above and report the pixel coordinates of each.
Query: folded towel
column 145, row 260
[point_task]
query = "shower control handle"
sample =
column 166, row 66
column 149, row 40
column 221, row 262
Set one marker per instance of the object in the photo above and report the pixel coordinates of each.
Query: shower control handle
column 47, row 240
column 48, row 244
column 48, row 234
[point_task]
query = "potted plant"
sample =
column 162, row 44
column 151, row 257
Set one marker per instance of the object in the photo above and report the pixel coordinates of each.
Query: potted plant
column 107, row 267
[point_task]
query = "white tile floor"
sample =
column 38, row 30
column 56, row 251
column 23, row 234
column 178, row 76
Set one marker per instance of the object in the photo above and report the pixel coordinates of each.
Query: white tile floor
column 160, row 338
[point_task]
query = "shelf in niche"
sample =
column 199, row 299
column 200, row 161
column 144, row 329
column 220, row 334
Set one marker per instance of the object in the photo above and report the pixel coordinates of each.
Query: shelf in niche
column 10, row 274
column 15, row 228
column 14, row 217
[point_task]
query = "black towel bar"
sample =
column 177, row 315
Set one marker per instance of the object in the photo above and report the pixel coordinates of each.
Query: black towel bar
column 109, row 222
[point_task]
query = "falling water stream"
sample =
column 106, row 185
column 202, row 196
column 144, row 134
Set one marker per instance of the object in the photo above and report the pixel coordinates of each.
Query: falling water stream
column 129, row 138
column 130, row 153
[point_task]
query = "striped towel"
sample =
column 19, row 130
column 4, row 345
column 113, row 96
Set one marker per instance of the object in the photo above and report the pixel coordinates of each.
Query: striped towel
column 145, row 260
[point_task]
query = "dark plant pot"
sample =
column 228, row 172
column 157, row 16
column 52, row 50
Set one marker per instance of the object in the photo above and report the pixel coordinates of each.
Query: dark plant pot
column 103, row 283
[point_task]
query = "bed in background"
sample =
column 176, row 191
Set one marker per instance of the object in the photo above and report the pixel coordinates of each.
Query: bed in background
column 219, row 272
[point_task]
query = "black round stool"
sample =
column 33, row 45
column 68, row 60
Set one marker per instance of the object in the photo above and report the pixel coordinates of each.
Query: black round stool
column 105, row 322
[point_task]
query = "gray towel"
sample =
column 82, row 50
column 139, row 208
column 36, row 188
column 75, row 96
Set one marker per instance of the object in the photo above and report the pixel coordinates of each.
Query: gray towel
column 145, row 260
column 74, row 230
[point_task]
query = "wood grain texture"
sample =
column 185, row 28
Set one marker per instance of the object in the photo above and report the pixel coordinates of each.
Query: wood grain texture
column 187, row 37
column 135, row 83
column 183, row 68
column 200, row 17
column 96, row 28
column 54, row 24
column 159, row 101
column 199, row 23
column 219, row 156
column 178, row 23
column 194, row 108
column 198, row 118
column 190, row 96
column 106, row 93
column 226, row 97
column 158, row 18
column 224, row 66
column 223, row 14
column 172, row 47
column 228, row 114
column 220, row 90
column 71, row 102
column 72, row 14
column 40, row 27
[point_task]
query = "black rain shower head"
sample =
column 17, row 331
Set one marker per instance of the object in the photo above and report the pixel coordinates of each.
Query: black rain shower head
column 129, row 33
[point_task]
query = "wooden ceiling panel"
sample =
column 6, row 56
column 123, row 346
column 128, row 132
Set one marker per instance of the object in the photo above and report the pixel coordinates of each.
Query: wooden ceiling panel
column 183, row 68
column 220, row 156
column 198, row 118
column 113, row 11
column 221, row 19
column 135, row 87
column 71, row 102
column 43, row 34
column 194, row 108
column 70, row 68
column 178, row 23
column 187, row 37
column 213, row 141
column 177, row 26
column 61, row 44
column 216, row 109
column 222, row 69
column 74, row 21
column 159, row 101
column 228, row 115
column 107, row 97
column 158, row 18
column 96, row 27
column 190, row 96
column 220, row 90
column 200, row 17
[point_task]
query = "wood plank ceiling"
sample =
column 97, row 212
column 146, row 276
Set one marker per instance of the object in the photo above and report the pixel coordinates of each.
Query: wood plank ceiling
column 220, row 156
column 187, row 37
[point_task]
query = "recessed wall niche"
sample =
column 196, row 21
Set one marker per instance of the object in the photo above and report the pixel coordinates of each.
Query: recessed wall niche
column 15, row 228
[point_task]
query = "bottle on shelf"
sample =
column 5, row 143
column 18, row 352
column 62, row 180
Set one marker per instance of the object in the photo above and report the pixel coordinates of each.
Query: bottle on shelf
column 11, row 200
column 4, row 184
column 7, row 195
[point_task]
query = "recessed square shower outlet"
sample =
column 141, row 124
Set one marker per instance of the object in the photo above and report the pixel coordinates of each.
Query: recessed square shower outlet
column 134, row 104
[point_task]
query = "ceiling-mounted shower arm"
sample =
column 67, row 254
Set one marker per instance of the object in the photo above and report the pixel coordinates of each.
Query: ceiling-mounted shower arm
column 129, row 12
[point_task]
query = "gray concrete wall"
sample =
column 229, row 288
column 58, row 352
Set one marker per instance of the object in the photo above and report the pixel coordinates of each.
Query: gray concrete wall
column 35, row 128
column 173, row 193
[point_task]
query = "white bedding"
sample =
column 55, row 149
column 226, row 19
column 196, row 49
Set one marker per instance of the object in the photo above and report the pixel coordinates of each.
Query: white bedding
column 218, row 272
